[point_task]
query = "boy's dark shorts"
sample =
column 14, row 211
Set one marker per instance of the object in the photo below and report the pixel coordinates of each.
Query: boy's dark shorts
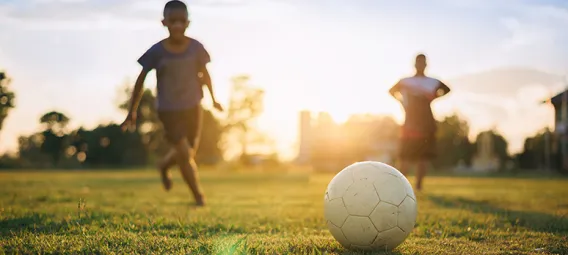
column 182, row 124
column 418, row 148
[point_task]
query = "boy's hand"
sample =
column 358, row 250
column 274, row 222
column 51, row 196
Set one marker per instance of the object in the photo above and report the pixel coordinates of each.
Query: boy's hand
column 129, row 123
column 218, row 106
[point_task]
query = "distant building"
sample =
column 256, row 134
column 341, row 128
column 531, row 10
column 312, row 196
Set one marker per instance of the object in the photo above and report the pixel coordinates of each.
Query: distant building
column 330, row 146
column 560, row 103
column 305, row 137
column 311, row 131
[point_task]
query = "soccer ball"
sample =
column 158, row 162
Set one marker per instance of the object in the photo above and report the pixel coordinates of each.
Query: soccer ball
column 370, row 206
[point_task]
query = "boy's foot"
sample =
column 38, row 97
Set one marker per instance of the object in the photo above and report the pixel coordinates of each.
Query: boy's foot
column 166, row 178
column 200, row 201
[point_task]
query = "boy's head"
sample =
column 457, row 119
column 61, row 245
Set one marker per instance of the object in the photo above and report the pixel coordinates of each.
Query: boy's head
column 420, row 63
column 176, row 18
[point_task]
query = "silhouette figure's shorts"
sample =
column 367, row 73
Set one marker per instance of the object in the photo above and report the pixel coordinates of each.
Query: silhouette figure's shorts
column 182, row 124
column 418, row 148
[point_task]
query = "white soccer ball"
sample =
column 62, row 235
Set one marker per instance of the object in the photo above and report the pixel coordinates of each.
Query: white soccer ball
column 370, row 206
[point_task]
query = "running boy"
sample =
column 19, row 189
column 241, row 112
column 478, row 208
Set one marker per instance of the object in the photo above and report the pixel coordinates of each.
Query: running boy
column 181, row 72
column 418, row 136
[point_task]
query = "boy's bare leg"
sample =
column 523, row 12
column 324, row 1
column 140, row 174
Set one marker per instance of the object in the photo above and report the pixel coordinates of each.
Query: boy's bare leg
column 199, row 200
column 421, row 169
column 188, row 168
column 168, row 162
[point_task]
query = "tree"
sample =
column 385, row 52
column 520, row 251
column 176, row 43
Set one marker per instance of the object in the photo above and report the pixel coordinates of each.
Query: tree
column 452, row 142
column 109, row 146
column 534, row 152
column 500, row 145
column 147, row 122
column 209, row 151
column 245, row 106
column 54, row 136
column 30, row 152
column 55, row 121
column 6, row 98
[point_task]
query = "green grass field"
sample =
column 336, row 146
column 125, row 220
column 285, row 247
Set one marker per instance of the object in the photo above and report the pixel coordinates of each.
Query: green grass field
column 128, row 212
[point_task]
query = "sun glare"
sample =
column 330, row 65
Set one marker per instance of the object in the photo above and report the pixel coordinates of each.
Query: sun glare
column 382, row 105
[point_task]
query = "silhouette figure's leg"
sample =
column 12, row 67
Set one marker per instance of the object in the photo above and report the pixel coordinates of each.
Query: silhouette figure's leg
column 421, row 170
column 403, row 167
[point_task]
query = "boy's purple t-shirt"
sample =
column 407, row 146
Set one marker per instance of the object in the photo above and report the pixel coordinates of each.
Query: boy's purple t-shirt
column 178, row 84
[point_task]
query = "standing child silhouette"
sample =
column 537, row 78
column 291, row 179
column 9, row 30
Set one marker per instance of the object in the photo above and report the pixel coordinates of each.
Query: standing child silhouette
column 418, row 136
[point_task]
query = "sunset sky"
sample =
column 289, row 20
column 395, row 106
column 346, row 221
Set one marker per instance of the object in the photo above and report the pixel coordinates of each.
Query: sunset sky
column 338, row 56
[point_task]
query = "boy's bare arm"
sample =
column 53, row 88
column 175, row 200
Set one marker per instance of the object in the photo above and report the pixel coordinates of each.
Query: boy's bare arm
column 137, row 91
column 206, row 79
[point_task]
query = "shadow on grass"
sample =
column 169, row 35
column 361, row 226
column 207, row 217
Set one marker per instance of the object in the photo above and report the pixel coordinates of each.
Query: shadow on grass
column 107, row 224
column 311, row 248
column 341, row 251
column 124, row 181
column 95, row 222
column 45, row 224
column 370, row 253
column 536, row 221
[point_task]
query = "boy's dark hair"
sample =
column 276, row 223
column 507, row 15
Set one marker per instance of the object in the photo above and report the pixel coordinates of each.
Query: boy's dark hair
column 174, row 5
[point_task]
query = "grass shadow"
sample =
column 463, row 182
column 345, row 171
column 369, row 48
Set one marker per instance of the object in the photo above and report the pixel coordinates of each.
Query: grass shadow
column 315, row 249
column 45, row 223
column 94, row 221
column 536, row 221
column 370, row 253
column 192, row 230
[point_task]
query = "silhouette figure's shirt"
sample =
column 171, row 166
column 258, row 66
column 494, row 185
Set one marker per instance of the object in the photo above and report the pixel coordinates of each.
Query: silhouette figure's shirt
column 417, row 94
column 178, row 84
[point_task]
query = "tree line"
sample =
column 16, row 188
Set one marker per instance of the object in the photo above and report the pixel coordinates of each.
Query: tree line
column 57, row 146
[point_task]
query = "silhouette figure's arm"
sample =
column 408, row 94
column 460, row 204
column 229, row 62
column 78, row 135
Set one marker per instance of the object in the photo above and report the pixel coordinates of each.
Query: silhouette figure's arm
column 442, row 90
column 395, row 91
